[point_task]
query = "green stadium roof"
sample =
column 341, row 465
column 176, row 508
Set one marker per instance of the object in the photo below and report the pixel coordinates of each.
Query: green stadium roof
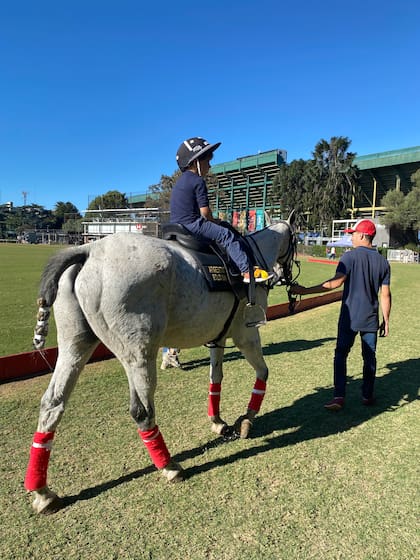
column 385, row 159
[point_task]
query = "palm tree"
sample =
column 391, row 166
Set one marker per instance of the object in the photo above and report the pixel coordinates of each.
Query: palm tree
column 334, row 179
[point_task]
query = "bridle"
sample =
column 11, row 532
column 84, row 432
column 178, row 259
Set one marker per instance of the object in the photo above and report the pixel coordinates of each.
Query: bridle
column 283, row 270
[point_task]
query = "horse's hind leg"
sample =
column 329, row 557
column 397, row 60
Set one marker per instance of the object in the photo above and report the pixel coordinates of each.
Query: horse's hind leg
column 70, row 363
column 76, row 344
column 141, row 376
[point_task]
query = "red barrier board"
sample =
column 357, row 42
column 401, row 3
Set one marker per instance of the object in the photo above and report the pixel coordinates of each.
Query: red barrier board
column 33, row 363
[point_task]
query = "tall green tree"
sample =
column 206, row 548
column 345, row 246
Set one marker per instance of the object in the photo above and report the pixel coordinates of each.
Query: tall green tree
column 334, row 179
column 396, row 212
column 413, row 207
column 111, row 199
column 73, row 225
column 290, row 190
column 30, row 217
column 64, row 211
column 403, row 212
column 319, row 189
column 159, row 195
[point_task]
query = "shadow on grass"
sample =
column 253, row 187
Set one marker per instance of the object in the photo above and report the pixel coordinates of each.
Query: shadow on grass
column 306, row 417
column 268, row 350
column 309, row 420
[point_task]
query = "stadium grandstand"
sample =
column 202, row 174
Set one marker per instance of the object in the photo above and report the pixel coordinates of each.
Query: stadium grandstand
column 242, row 189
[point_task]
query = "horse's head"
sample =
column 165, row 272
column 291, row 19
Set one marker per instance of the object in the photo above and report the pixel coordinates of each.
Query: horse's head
column 274, row 248
column 286, row 251
column 283, row 267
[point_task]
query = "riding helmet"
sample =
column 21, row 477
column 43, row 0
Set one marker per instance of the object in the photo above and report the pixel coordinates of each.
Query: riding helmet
column 192, row 149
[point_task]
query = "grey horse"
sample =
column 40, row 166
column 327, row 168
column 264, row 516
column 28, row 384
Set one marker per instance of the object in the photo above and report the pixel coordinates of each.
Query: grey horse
column 136, row 294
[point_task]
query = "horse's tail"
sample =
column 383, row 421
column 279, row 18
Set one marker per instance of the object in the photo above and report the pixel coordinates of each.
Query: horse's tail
column 49, row 286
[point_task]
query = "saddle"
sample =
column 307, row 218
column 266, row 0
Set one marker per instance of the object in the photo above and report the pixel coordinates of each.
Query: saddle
column 217, row 269
column 220, row 274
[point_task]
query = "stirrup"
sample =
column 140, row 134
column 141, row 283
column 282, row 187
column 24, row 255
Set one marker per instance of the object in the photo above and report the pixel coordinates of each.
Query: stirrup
column 254, row 316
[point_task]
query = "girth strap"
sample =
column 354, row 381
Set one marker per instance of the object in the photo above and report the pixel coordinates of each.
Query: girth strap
column 214, row 343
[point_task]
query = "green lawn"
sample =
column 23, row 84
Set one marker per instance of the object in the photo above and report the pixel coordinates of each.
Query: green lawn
column 20, row 272
column 308, row 484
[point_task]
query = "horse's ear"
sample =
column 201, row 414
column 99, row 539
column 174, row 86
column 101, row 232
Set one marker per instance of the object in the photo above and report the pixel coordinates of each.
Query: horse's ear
column 292, row 218
column 267, row 218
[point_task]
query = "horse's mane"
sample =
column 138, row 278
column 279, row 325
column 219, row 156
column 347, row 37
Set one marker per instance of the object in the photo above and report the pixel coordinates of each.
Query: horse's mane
column 285, row 222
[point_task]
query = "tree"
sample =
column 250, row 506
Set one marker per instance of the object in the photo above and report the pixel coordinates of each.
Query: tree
column 111, row 199
column 412, row 201
column 396, row 215
column 334, row 179
column 64, row 211
column 73, row 225
column 320, row 188
column 29, row 217
column 159, row 195
column 403, row 211
column 290, row 189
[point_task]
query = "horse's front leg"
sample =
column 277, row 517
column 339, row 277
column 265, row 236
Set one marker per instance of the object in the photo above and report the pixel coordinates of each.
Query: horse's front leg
column 218, row 426
column 250, row 346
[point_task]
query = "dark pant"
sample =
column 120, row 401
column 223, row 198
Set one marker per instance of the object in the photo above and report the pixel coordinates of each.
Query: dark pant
column 227, row 238
column 345, row 341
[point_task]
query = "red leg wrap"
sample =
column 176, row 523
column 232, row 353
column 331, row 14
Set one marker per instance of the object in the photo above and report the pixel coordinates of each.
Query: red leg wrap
column 257, row 396
column 153, row 440
column 214, row 399
column 36, row 473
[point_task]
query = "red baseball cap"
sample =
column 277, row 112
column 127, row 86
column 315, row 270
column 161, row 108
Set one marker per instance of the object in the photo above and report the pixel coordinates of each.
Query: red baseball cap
column 363, row 226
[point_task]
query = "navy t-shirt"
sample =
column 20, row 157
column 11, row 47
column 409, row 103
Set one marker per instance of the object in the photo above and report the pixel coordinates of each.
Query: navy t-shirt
column 188, row 196
column 366, row 272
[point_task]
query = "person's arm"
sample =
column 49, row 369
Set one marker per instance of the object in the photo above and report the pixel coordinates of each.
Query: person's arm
column 331, row 284
column 206, row 212
column 386, row 302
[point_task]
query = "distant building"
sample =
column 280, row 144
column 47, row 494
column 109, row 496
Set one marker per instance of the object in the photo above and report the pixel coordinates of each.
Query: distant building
column 241, row 195
column 245, row 183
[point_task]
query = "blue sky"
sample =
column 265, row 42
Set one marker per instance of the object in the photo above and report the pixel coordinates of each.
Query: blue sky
column 97, row 95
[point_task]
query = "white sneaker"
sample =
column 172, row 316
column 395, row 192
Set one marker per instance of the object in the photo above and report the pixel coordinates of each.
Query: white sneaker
column 260, row 275
column 170, row 360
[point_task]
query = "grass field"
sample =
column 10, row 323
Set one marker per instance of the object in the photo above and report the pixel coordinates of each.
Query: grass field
column 308, row 484
column 20, row 272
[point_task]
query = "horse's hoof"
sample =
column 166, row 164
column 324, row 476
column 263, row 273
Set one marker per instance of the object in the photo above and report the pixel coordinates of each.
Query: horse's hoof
column 243, row 426
column 219, row 428
column 46, row 502
column 173, row 472
column 229, row 433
